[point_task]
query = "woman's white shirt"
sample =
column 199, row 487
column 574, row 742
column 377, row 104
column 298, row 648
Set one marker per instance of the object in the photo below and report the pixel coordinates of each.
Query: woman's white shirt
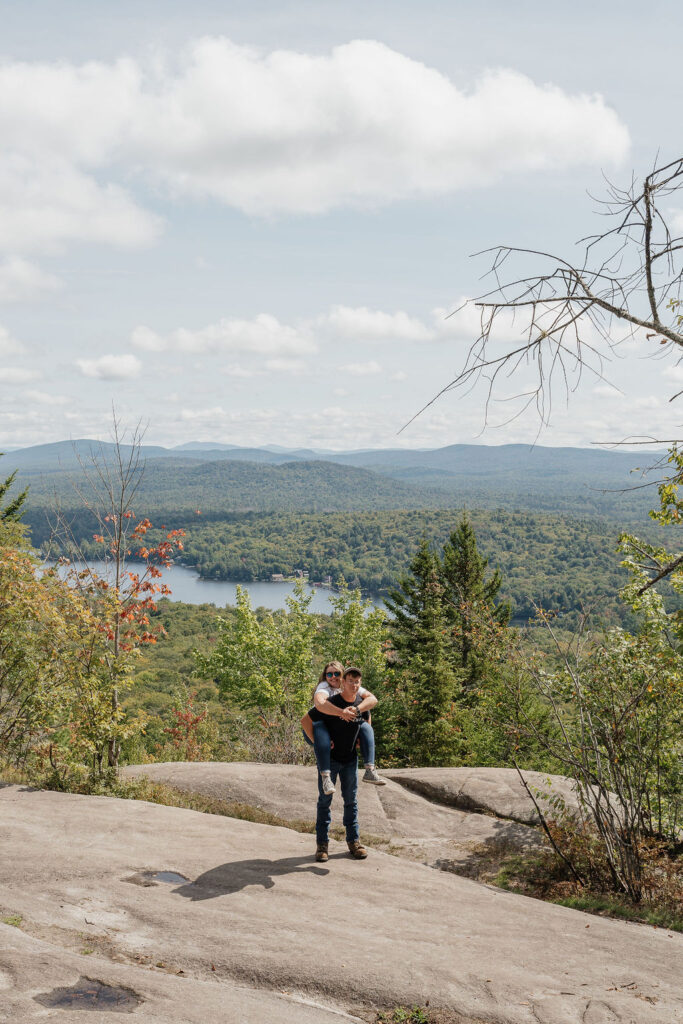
column 331, row 691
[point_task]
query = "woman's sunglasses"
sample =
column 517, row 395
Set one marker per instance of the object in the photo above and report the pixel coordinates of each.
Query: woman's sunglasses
column 333, row 675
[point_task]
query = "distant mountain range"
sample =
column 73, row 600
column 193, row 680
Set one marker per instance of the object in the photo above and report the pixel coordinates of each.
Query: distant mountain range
column 221, row 478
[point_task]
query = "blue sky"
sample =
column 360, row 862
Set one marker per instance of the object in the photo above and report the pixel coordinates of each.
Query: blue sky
column 246, row 222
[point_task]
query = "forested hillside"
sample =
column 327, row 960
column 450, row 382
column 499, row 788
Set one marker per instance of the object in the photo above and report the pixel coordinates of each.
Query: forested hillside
column 550, row 560
column 227, row 486
column 578, row 481
column 248, row 520
column 555, row 561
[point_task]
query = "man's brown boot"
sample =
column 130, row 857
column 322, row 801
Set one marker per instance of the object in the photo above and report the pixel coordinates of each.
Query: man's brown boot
column 321, row 852
column 357, row 850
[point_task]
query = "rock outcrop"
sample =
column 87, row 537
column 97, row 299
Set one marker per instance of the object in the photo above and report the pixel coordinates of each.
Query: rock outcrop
column 193, row 917
column 497, row 791
column 409, row 823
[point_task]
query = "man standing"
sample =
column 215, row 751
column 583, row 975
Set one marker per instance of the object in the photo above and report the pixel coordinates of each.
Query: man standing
column 344, row 763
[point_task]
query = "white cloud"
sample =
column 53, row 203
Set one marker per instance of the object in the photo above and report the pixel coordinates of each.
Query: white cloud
column 263, row 335
column 245, row 418
column 464, row 323
column 647, row 402
column 217, row 412
column 676, row 223
column 285, row 365
column 111, row 367
column 45, row 204
column 44, row 398
column 16, row 375
column 297, row 132
column 21, row 281
column 607, row 391
column 237, row 370
column 362, row 369
column 366, row 324
column 674, row 373
column 144, row 338
column 8, row 344
column 269, row 132
column 399, row 375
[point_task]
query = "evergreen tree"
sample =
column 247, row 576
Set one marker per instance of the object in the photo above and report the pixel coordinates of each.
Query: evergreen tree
column 467, row 596
column 426, row 684
column 408, row 602
column 11, row 512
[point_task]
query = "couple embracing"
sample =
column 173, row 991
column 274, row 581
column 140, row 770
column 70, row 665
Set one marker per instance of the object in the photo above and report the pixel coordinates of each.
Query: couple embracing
column 339, row 721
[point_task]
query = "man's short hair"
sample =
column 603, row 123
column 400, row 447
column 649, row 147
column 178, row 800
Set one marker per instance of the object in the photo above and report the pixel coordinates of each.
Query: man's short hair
column 351, row 670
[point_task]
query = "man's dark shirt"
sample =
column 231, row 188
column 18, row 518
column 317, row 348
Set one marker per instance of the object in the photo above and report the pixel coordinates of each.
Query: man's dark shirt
column 342, row 733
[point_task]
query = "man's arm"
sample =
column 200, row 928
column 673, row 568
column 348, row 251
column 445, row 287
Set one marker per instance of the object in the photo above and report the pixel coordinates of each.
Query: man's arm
column 324, row 705
column 368, row 702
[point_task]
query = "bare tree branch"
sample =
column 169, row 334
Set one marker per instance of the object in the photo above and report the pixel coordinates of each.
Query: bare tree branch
column 574, row 315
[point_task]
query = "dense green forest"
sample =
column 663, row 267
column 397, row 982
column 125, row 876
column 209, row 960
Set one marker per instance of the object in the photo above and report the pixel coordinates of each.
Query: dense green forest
column 549, row 518
column 550, row 560
column 582, row 482
column 240, row 486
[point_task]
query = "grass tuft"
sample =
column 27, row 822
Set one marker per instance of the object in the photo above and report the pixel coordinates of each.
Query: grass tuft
column 421, row 1015
column 170, row 796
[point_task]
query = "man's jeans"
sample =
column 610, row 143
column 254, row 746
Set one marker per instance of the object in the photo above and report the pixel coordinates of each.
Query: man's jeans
column 321, row 744
column 348, row 778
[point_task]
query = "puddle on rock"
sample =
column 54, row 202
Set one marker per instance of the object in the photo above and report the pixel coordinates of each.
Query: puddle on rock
column 168, row 876
column 91, row 994
column 147, row 878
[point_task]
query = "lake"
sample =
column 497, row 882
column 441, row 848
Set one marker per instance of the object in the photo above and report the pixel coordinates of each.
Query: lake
column 187, row 586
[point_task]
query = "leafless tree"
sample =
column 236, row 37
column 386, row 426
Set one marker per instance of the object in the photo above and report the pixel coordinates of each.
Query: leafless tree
column 572, row 316
column 108, row 483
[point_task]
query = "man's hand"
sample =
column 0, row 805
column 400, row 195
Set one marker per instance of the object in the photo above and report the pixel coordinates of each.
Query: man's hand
column 349, row 714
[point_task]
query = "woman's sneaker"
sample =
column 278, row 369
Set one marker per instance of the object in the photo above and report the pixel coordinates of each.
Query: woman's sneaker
column 327, row 783
column 372, row 777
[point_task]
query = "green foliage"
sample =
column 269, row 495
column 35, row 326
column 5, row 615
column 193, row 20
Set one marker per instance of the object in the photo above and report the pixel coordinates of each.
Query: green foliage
column 12, row 512
column 404, row 1015
column 450, row 651
column 413, row 602
column 356, row 634
column 265, row 665
column 555, row 562
column 575, row 482
column 614, row 723
column 467, row 595
column 41, row 621
column 425, row 731
column 501, row 717
column 649, row 564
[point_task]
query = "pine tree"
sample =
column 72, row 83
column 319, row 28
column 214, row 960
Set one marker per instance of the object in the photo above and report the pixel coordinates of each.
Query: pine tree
column 11, row 512
column 427, row 685
column 407, row 602
column 467, row 595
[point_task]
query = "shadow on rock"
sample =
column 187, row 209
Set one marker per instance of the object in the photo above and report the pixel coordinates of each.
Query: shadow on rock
column 487, row 858
column 239, row 874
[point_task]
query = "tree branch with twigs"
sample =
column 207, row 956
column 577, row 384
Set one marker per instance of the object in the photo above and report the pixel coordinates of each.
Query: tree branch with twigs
column 570, row 317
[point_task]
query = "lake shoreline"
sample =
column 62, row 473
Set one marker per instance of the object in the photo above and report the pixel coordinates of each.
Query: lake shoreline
column 189, row 587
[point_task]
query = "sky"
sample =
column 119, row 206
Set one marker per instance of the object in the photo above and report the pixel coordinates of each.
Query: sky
column 249, row 222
